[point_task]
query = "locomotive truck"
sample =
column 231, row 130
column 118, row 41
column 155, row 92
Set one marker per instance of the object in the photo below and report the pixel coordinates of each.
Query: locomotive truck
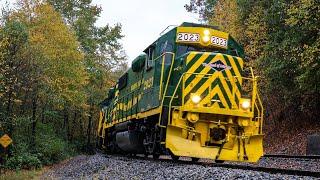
column 188, row 94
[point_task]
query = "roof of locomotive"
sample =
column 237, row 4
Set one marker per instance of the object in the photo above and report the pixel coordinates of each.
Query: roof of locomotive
column 189, row 24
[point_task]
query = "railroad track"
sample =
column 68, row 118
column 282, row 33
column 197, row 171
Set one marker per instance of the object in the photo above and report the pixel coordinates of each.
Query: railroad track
column 292, row 156
column 270, row 170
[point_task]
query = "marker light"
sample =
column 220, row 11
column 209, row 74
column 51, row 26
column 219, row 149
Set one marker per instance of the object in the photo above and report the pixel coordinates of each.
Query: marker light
column 246, row 104
column 195, row 99
column 206, row 32
column 205, row 38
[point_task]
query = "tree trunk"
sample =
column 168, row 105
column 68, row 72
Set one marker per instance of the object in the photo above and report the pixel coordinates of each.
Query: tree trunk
column 34, row 118
column 42, row 113
column 24, row 103
column 74, row 121
column 81, row 126
column 89, row 126
column 66, row 122
column 9, row 103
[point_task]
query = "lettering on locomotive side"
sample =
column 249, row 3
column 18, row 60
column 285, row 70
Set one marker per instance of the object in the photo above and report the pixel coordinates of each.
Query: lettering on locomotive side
column 148, row 83
column 135, row 86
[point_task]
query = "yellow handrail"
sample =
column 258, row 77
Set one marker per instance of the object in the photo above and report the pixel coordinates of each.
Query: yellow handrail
column 162, row 72
column 168, row 79
column 174, row 93
column 262, row 111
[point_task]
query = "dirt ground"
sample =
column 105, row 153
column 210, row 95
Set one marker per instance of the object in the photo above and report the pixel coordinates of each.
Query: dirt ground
column 288, row 137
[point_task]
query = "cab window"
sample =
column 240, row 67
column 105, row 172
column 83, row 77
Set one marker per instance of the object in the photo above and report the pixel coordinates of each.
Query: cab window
column 167, row 48
column 123, row 81
column 150, row 53
column 185, row 49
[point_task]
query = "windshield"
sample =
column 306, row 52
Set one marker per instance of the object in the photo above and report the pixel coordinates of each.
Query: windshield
column 183, row 49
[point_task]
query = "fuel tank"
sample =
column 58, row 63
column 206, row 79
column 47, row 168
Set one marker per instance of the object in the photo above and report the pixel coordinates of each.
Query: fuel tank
column 130, row 141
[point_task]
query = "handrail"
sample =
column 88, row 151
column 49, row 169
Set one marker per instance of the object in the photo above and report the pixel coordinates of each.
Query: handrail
column 161, row 79
column 206, row 74
column 172, row 62
column 168, row 79
column 167, row 28
column 262, row 111
column 162, row 69
column 174, row 93
column 258, row 109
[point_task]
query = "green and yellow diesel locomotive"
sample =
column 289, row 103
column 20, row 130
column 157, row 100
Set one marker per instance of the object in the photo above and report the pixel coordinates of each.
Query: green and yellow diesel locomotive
column 189, row 95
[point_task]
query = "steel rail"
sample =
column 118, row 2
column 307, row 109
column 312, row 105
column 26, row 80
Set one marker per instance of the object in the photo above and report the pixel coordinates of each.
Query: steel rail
column 269, row 170
column 292, row 156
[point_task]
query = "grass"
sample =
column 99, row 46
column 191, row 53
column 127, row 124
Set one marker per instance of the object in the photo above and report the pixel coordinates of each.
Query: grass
column 21, row 175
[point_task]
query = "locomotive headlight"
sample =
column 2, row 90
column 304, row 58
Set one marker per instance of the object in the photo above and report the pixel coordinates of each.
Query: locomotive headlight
column 195, row 98
column 245, row 104
column 206, row 39
column 206, row 32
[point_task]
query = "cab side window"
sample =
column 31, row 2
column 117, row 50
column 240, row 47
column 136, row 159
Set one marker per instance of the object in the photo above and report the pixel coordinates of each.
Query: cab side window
column 167, row 48
column 150, row 60
column 234, row 52
column 123, row 81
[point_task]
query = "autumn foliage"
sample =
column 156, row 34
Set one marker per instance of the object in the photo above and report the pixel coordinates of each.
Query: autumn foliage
column 282, row 43
column 55, row 67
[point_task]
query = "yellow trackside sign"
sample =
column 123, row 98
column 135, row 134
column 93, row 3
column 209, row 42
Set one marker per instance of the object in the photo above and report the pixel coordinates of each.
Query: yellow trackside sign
column 5, row 140
column 202, row 36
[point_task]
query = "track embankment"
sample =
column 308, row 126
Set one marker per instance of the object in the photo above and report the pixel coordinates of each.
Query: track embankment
column 102, row 166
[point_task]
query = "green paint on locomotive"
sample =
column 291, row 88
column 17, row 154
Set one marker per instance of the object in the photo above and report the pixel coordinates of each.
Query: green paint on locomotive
column 141, row 87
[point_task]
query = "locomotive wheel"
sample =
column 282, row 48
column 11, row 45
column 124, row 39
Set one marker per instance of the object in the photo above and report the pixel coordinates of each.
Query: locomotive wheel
column 113, row 148
column 174, row 157
column 99, row 143
column 194, row 159
column 155, row 156
column 219, row 161
column 132, row 155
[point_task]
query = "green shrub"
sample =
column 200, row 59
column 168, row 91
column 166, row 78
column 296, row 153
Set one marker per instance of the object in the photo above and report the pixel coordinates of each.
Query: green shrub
column 51, row 150
column 31, row 162
column 50, row 147
column 23, row 161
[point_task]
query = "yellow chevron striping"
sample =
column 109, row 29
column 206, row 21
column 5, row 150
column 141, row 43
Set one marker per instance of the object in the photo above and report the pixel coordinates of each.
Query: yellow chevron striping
column 224, row 85
column 214, row 91
column 197, row 64
column 191, row 56
column 240, row 61
column 227, row 90
column 234, row 67
column 204, row 71
column 204, row 86
column 231, row 78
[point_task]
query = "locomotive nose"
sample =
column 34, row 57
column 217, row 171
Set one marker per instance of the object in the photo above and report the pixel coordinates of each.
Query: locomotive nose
column 214, row 78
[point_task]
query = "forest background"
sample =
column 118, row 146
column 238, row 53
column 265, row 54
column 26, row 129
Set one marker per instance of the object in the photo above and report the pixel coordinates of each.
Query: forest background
column 281, row 39
column 56, row 66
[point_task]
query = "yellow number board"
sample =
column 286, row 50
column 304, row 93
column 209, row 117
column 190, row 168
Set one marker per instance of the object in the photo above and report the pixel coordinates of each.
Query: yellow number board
column 202, row 36
column 5, row 140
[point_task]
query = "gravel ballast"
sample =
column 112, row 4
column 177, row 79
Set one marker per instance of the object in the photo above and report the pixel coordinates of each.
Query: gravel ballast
column 100, row 166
